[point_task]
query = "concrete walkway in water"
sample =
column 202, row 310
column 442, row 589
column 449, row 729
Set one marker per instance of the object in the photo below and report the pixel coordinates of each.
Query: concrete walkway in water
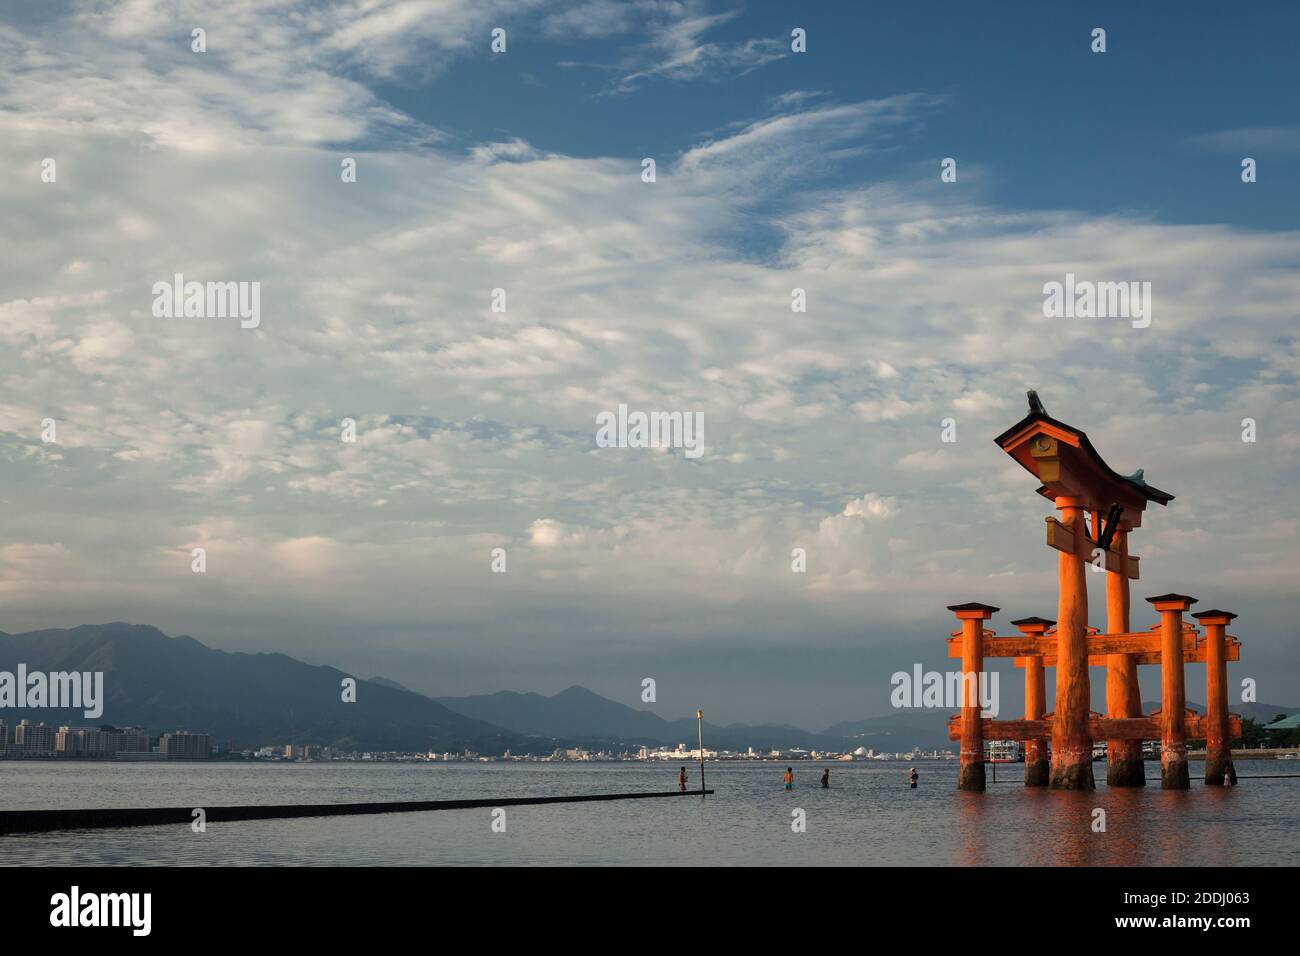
column 44, row 821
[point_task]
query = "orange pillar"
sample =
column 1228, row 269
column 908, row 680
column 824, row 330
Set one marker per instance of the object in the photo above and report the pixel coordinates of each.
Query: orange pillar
column 1218, row 739
column 1173, row 697
column 970, row 774
column 1124, row 766
column 1071, row 742
column 1037, row 767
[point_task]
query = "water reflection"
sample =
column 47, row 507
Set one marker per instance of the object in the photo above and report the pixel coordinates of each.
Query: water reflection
column 869, row 816
column 972, row 828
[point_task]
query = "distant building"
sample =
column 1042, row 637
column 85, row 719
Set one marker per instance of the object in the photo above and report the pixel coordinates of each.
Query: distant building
column 183, row 745
column 1286, row 723
column 77, row 741
column 99, row 741
column 130, row 740
column 34, row 739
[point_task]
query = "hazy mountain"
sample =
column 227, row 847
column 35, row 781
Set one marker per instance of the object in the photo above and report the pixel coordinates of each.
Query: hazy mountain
column 582, row 714
column 1260, row 713
column 576, row 712
column 900, row 731
column 167, row 683
column 385, row 682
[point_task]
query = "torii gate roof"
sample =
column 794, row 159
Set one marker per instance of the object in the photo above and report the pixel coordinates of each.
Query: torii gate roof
column 1065, row 461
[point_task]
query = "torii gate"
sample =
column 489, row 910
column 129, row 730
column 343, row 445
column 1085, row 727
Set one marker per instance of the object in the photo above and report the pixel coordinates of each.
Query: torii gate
column 1080, row 482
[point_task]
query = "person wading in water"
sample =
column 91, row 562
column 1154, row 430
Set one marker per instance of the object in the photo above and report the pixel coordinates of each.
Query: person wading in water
column 681, row 781
column 826, row 778
column 789, row 778
column 912, row 777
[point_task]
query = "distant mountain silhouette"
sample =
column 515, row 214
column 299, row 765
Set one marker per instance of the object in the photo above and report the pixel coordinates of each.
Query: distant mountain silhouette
column 385, row 682
column 927, row 729
column 168, row 683
column 576, row 712
column 1260, row 713
column 584, row 715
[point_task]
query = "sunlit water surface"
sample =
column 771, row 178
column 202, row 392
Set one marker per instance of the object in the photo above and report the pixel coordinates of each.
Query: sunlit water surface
column 868, row 816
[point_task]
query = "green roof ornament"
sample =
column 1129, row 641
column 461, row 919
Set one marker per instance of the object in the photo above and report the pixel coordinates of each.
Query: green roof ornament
column 1137, row 477
column 1036, row 404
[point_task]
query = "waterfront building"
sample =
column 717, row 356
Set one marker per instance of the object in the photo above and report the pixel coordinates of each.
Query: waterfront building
column 182, row 744
column 35, row 740
column 104, row 741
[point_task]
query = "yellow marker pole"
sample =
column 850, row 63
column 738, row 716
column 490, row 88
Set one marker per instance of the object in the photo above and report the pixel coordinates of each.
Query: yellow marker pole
column 699, row 718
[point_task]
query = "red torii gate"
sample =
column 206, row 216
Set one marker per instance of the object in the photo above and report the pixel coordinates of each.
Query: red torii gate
column 1080, row 482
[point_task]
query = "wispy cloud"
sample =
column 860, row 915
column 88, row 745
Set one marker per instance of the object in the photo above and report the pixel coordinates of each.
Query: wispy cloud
column 678, row 50
column 1280, row 140
column 668, row 41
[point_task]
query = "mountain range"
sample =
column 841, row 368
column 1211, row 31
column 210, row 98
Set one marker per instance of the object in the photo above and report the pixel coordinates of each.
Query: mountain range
column 168, row 683
column 580, row 713
column 586, row 716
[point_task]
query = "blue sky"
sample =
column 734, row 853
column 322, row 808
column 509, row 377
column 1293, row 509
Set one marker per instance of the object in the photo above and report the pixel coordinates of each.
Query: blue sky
column 476, row 429
column 1044, row 123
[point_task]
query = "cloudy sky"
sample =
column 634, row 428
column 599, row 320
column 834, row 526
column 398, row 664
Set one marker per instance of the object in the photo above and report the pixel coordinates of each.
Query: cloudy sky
column 522, row 171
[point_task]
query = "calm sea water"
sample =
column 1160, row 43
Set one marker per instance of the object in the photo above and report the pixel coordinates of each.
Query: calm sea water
column 869, row 816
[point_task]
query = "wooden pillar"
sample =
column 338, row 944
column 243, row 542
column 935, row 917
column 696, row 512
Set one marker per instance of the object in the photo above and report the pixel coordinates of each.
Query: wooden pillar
column 1218, row 738
column 1173, row 697
column 1071, row 741
column 970, row 774
column 1037, row 765
column 1124, row 766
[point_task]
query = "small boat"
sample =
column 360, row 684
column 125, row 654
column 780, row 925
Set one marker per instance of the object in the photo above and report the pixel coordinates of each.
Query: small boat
column 1288, row 756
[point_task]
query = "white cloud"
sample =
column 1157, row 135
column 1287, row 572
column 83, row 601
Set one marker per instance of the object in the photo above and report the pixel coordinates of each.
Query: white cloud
column 678, row 51
column 549, row 533
column 1274, row 140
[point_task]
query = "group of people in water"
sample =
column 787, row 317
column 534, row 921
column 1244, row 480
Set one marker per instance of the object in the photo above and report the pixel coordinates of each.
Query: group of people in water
column 1229, row 778
column 912, row 778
